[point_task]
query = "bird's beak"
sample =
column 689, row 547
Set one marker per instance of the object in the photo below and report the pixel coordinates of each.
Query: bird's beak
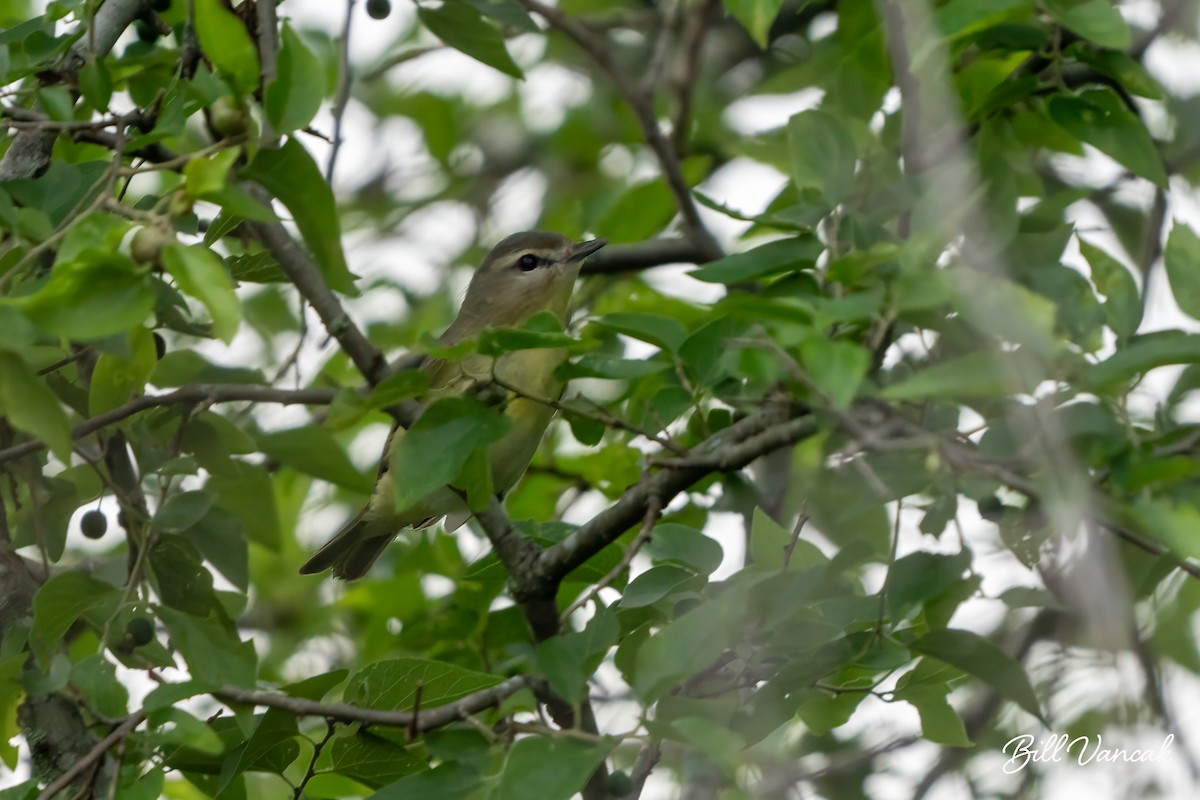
column 582, row 250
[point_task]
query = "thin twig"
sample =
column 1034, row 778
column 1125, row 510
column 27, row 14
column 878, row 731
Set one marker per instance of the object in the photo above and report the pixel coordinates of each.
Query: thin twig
column 92, row 756
column 195, row 393
column 653, row 511
column 342, row 97
column 344, row 712
column 642, row 106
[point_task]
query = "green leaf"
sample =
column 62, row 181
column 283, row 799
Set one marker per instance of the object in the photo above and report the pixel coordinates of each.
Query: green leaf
column 1142, row 354
column 221, row 539
column 653, row 585
column 95, row 84
column 30, row 406
column 665, row 332
column 209, row 175
column 672, row 543
column 179, row 577
column 315, row 452
column 183, row 510
column 116, row 379
column 548, row 768
column 295, row 96
column 290, row 174
column 371, row 760
column 91, row 298
column 603, row 365
column 1097, row 20
column 979, row 374
column 756, row 17
column 276, row 730
column 96, row 679
column 246, row 491
column 569, row 661
column 823, row 155
column 394, row 684
column 461, row 27
column 61, row 601
column 773, row 258
column 201, row 273
column 688, row 644
column 225, row 41
column 836, row 367
column 1182, row 257
column 1099, row 117
column 940, row 723
column 920, row 577
column 977, row 656
column 1123, row 303
column 453, row 780
column 211, row 649
column 433, row 452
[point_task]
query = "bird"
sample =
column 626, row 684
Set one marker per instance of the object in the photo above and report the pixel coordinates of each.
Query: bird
column 523, row 275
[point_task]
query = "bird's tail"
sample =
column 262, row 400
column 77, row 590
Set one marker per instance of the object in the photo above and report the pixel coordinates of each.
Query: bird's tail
column 353, row 549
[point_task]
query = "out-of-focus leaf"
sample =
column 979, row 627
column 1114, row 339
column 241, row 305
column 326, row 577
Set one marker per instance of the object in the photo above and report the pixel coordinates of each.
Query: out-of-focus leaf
column 977, row 656
column 548, row 768
column 823, row 155
column 294, row 97
column 1123, row 303
column 461, row 27
column 434, row 451
column 394, row 684
column 61, row 601
column 1099, row 117
column 290, row 174
column 225, row 41
column 30, row 405
column 200, row 273
column 1182, row 257
column 314, row 451
column 773, row 258
column 836, row 367
column 210, row 648
column 1097, row 20
column 756, row 17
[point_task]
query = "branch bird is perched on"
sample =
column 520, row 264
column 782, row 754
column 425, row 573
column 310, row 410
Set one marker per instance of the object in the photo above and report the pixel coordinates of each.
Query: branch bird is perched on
column 525, row 274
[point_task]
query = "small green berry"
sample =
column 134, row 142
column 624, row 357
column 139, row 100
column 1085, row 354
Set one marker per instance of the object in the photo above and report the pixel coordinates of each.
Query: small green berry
column 160, row 346
column 379, row 9
column 145, row 31
column 140, row 631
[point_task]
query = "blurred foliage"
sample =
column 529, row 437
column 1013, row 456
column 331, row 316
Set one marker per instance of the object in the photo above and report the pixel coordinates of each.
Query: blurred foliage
column 951, row 280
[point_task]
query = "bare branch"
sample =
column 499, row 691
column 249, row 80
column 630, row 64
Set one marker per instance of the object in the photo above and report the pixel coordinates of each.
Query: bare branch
column 342, row 97
column 92, row 756
column 617, row 258
column 730, row 449
column 427, row 720
column 29, row 153
column 304, row 275
column 195, row 393
column 642, row 106
column 653, row 512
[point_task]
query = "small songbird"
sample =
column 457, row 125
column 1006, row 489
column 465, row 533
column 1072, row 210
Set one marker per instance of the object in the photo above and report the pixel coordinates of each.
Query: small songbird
column 526, row 273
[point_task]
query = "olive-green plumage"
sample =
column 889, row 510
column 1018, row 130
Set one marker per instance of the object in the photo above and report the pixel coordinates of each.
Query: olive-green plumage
column 523, row 275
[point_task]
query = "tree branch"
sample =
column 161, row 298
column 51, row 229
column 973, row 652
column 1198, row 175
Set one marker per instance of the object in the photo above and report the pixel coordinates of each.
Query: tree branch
column 730, row 449
column 425, row 720
column 617, row 258
column 642, row 105
column 304, row 275
column 196, row 393
column 29, row 153
column 92, row 756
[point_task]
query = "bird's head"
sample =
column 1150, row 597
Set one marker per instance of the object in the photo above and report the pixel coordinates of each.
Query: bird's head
column 524, row 274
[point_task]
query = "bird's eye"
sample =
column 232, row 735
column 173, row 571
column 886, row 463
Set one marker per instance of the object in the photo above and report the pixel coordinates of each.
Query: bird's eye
column 527, row 262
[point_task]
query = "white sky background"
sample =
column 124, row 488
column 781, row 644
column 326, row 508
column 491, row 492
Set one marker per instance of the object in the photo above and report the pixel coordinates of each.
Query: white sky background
column 433, row 238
